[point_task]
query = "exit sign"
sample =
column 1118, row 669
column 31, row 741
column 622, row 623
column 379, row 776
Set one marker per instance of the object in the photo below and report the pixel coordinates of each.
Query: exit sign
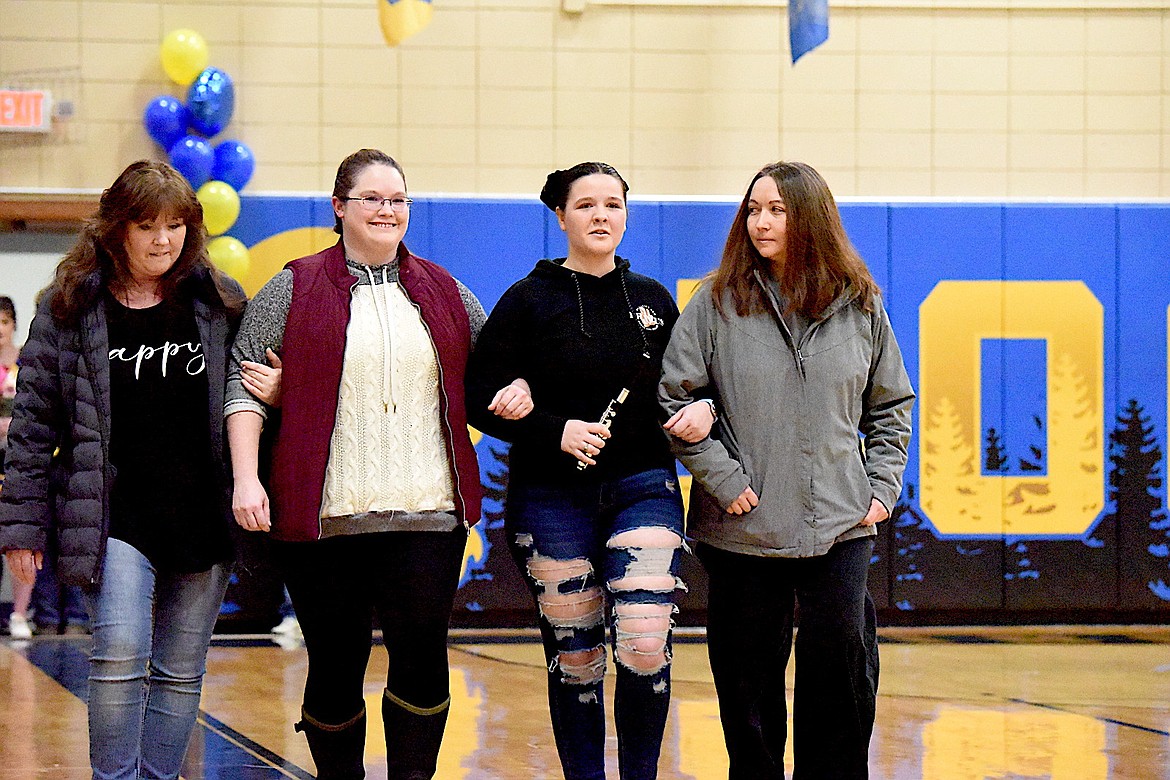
column 25, row 110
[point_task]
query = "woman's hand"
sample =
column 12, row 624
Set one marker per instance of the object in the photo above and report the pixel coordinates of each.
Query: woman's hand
column 877, row 513
column 692, row 423
column 583, row 440
column 513, row 401
column 747, row 501
column 24, row 565
column 250, row 505
column 263, row 381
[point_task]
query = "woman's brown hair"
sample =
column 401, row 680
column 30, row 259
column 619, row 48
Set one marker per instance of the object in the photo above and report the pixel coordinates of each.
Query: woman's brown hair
column 820, row 263
column 144, row 191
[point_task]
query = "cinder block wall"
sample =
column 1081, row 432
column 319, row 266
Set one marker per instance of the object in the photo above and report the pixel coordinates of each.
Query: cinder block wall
column 958, row 99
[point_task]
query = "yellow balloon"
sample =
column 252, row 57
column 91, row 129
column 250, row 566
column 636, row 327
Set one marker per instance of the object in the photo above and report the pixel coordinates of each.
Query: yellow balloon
column 221, row 206
column 184, row 55
column 269, row 255
column 229, row 256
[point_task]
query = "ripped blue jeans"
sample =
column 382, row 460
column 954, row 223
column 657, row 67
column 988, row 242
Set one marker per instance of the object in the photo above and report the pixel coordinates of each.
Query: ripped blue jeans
column 603, row 556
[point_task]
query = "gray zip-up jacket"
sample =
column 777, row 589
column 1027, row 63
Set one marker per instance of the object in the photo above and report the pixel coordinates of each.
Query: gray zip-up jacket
column 789, row 418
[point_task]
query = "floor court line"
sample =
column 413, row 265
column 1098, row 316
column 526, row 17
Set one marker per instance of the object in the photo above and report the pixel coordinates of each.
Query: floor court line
column 1112, row 721
column 67, row 664
column 954, row 704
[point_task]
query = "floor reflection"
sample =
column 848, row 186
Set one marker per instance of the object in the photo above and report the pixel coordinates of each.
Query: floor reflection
column 1059, row 706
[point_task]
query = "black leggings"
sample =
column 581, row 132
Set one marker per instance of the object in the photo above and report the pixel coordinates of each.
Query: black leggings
column 408, row 578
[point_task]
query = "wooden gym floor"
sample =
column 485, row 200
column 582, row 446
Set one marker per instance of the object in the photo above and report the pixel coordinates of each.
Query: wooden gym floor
column 1075, row 703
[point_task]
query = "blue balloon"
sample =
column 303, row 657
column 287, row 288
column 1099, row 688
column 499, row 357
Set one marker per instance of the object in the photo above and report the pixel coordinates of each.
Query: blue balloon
column 211, row 99
column 165, row 120
column 192, row 157
column 234, row 164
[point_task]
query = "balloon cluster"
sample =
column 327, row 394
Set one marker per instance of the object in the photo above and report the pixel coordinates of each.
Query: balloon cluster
column 217, row 173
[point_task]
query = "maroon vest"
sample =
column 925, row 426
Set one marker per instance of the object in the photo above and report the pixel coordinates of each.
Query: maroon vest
column 313, row 353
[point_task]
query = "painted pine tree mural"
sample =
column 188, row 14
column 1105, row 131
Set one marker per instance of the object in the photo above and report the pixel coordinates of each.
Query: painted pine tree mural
column 495, row 585
column 931, row 573
column 1068, row 573
column 995, row 458
column 1135, row 486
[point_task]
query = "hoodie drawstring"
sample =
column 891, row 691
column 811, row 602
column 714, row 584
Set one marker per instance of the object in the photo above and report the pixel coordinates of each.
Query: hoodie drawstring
column 580, row 305
column 629, row 309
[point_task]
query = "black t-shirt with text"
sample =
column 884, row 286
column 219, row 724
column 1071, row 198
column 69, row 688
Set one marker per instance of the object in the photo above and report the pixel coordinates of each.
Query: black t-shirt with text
column 165, row 498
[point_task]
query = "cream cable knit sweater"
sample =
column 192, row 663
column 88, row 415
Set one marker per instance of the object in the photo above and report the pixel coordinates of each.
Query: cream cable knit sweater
column 388, row 403
column 376, row 459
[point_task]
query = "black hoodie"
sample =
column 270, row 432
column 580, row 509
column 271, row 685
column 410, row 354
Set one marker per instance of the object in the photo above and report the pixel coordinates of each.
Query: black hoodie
column 577, row 340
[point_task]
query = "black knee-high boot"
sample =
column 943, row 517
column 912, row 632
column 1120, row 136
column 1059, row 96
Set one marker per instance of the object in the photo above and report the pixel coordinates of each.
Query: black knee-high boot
column 413, row 737
column 337, row 749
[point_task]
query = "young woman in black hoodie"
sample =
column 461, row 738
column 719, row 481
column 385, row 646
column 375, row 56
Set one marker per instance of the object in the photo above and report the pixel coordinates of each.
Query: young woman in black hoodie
column 594, row 515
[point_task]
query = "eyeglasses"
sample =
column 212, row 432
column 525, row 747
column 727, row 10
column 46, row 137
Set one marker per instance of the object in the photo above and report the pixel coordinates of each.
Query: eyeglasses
column 370, row 203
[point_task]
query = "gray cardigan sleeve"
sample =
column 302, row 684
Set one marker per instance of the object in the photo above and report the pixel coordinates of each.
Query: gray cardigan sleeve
column 262, row 328
column 885, row 416
column 685, row 377
column 475, row 313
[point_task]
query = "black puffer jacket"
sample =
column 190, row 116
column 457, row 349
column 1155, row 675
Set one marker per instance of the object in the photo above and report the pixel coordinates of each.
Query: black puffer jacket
column 58, row 467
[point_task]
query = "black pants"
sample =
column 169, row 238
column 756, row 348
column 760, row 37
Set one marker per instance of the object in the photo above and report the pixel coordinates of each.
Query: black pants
column 750, row 612
column 408, row 578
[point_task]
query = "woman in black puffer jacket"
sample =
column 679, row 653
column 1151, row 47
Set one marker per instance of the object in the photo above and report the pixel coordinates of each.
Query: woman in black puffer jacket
column 117, row 447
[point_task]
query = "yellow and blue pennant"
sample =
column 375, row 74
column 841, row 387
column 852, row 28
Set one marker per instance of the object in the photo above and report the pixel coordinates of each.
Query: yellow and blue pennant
column 403, row 18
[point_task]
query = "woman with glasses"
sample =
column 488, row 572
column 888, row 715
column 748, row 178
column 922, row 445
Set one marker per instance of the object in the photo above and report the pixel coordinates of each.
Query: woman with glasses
column 373, row 479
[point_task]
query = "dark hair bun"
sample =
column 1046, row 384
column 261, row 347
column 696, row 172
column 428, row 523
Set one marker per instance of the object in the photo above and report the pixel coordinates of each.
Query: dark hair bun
column 555, row 191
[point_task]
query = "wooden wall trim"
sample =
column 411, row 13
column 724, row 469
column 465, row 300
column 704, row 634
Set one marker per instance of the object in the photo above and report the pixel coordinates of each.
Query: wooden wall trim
column 46, row 212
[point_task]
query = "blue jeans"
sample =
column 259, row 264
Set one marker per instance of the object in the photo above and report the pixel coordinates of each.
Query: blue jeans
column 581, row 547
column 151, row 630
column 56, row 606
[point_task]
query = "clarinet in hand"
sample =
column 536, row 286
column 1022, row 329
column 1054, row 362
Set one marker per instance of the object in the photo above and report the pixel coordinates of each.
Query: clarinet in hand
column 607, row 419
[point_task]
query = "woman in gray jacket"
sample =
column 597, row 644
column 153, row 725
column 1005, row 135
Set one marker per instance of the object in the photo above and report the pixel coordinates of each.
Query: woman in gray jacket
column 790, row 336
